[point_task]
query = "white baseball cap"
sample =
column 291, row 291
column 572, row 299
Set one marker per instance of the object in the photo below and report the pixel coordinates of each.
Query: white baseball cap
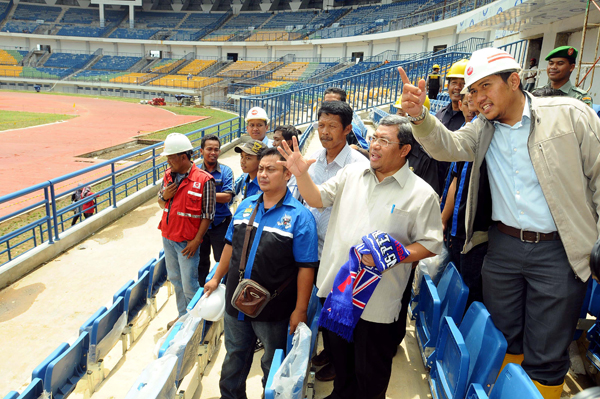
column 488, row 61
column 257, row 113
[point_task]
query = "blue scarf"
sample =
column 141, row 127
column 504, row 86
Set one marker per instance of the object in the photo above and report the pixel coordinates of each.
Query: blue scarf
column 355, row 282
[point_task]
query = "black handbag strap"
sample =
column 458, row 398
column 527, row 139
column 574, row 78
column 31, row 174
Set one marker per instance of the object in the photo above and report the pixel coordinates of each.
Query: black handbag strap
column 244, row 257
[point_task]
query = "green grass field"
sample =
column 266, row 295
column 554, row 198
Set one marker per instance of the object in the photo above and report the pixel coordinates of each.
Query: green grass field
column 18, row 119
column 215, row 117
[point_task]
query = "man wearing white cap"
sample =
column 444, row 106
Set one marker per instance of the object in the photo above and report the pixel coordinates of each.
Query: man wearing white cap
column 188, row 197
column 542, row 161
column 257, row 124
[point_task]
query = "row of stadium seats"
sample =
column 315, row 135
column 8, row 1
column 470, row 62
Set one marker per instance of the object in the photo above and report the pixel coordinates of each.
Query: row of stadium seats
column 181, row 81
column 67, row 60
column 292, row 71
column 32, row 12
column 116, row 63
column 464, row 353
column 11, row 57
column 240, row 68
column 196, row 66
column 131, row 309
column 94, row 75
column 166, row 65
column 134, row 78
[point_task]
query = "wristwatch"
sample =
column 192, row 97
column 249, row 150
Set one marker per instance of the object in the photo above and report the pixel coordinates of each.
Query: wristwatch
column 419, row 118
column 160, row 196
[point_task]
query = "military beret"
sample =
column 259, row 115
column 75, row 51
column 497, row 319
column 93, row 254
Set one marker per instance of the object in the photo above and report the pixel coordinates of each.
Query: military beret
column 564, row 52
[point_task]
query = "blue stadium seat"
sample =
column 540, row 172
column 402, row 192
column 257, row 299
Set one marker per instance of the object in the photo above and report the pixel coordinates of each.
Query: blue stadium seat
column 450, row 370
column 486, row 346
column 158, row 276
column 275, row 364
column 34, row 390
column 172, row 333
column 136, row 296
column 40, row 370
column 146, row 267
column 65, row 371
column 121, row 291
column 12, row 395
column 475, row 391
column 103, row 325
column 87, row 325
column 454, row 293
column 428, row 318
column 512, row 383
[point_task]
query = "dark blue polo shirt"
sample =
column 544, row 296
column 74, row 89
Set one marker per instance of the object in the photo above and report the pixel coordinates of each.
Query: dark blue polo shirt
column 223, row 184
column 246, row 186
column 287, row 240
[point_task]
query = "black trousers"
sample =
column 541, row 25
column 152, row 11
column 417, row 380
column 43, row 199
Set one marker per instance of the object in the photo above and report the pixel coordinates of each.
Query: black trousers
column 215, row 238
column 534, row 298
column 363, row 367
column 469, row 266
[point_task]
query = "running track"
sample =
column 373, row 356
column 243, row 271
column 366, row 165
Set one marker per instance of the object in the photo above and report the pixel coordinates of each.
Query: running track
column 33, row 155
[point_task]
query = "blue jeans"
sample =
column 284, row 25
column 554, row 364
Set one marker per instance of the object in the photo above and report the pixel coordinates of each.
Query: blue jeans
column 240, row 339
column 182, row 272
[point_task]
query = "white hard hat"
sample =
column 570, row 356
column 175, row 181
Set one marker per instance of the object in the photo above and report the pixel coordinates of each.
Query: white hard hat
column 257, row 113
column 176, row 143
column 486, row 62
column 213, row 307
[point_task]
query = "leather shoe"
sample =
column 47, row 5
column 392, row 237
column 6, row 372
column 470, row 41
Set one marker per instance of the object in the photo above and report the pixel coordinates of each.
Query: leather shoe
column 327, row 373
column 170, row 324
column 321, row 359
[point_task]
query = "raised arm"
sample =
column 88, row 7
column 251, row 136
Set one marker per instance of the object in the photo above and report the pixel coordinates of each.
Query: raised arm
column 298, row 166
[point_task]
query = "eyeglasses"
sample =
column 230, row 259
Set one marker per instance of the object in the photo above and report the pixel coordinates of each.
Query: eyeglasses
column 384, row 143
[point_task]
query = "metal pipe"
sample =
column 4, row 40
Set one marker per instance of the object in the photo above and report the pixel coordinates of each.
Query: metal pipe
column 583, row 34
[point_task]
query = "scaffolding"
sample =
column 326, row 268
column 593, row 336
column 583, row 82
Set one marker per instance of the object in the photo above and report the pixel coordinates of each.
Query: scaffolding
column 587, row 25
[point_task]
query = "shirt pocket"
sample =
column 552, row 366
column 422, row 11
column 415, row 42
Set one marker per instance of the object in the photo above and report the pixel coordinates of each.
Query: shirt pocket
column 193, row 201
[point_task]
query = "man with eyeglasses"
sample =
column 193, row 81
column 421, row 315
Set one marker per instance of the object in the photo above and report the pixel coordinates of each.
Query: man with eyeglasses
column 386, row 196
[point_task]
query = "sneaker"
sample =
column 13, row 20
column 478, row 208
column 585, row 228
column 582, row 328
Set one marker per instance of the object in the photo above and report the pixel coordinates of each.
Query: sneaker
column 321, row 359
column 258, row 346
column 327, row 373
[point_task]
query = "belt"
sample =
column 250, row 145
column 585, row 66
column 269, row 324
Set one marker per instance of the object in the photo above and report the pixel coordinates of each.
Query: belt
column 527, row 236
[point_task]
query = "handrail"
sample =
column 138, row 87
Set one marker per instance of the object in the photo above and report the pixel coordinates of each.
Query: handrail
column 111, row 180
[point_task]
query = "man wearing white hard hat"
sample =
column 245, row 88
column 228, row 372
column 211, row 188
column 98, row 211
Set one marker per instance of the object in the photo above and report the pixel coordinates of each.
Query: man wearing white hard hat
column 188, row 198
column 257, row 124
column 542, row 161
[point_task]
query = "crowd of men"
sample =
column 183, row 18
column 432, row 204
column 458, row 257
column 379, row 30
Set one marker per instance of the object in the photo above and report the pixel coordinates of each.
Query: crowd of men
column 507, row 181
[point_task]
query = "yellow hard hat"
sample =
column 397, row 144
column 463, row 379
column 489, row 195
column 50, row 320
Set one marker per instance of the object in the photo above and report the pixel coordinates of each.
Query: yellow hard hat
column 398, row 103
column 435, row 66
column 457, row 70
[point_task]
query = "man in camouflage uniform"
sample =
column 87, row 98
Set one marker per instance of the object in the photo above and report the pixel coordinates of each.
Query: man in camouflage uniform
column 561, row 63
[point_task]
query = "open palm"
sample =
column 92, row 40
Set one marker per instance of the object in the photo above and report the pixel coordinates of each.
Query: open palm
column 294, row 161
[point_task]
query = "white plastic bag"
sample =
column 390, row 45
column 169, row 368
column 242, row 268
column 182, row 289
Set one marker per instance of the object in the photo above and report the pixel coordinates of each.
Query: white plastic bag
column 157, row 381
column 289, row 379
column 434, row 267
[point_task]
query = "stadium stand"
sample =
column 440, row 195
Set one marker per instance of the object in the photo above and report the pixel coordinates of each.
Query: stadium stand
column 166, row 65
column 20, row 26
column 11, row 57
column 181, row 81
column 88, row 16
column 31, row 12
column 353, row 70
column 285, row 20
column 292, row 71
column 245, row 21
column 115, row 63
column 66, row 60
column 196, row 66
column 84, row 31
column 134, row 78
column 93, row 75
column 138, row 34
column 265, row 87
column 326, row 18
column 165, row 20
column 240, row 68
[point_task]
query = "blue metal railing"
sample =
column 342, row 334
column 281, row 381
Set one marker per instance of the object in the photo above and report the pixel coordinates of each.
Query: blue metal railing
column 112, row 181
column 378, row 87
column 517, row 49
